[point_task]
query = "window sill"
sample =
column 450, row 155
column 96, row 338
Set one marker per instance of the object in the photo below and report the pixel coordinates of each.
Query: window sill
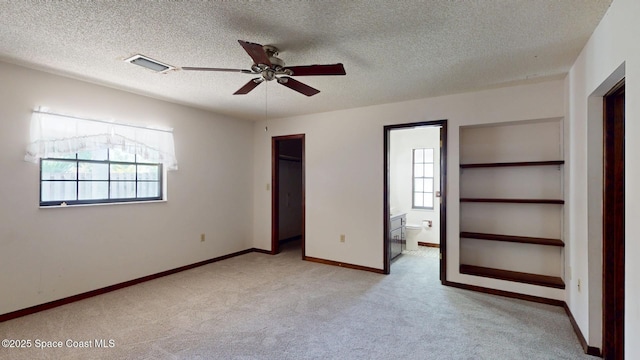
column 103, row 204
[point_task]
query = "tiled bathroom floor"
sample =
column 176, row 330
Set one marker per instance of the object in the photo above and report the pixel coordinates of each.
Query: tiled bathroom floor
column 423, row 251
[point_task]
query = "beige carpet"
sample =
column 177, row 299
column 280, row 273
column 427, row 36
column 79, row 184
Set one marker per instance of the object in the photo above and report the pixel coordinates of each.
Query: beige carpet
column 259, row 306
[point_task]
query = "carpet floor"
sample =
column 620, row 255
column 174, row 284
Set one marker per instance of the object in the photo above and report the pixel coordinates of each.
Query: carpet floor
column 258, row 306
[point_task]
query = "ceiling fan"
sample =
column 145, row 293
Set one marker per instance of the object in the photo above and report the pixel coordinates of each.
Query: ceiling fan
column 269, row 67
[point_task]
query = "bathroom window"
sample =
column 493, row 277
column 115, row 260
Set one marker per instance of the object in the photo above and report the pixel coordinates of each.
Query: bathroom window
column 423, row 179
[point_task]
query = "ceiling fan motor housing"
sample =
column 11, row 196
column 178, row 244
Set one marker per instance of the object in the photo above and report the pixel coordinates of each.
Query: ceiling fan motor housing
column 272, row 54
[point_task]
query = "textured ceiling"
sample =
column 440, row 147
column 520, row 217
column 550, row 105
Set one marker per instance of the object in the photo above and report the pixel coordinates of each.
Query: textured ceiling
column 391, row 50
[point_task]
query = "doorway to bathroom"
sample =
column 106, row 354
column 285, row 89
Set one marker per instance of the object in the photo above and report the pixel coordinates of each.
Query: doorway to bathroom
column 287, row 195
column 415, row 191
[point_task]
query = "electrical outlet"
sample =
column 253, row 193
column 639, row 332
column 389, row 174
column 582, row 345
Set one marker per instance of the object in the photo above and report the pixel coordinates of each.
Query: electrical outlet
column 342, row 238
column 202, row 237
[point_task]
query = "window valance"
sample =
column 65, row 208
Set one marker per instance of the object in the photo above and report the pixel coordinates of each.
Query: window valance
column 55, row 135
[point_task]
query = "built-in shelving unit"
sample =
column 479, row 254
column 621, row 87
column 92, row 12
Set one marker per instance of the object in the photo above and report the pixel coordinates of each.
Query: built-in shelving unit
column 511, row 194
column 514, row 201
column 511, row 238
column 521, row 277
column 518, row 163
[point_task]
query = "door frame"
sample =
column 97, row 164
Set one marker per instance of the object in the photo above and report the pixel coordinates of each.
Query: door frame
column 613, row 236
column 275, row 191
column 443, row 192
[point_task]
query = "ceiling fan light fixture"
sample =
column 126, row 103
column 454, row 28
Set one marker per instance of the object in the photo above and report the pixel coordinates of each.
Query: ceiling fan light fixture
column 149, row 63
column 268, row 74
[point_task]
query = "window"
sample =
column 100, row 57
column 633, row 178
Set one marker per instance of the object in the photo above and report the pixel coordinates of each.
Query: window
column 102, row 176
column 423, row 179
column 89, row 161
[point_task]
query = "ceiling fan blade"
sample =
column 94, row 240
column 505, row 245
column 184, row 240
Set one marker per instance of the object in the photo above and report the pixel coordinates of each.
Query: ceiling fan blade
column 297, row 86
column 189, row 68
column 248, row 86
column 256, row 52
column 308, row 70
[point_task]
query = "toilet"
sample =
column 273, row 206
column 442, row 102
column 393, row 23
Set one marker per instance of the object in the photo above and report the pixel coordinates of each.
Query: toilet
column 412, row 236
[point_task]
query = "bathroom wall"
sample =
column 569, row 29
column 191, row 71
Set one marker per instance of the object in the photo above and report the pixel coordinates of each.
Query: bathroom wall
column 403, row 141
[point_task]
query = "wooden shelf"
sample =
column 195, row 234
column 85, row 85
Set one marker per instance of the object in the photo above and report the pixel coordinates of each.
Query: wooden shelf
column 521, row 277
column 505, row 164
column 511, row 238
column 514, row 201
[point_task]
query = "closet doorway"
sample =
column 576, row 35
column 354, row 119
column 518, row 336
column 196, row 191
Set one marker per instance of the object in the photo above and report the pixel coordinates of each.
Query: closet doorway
column 287, row 195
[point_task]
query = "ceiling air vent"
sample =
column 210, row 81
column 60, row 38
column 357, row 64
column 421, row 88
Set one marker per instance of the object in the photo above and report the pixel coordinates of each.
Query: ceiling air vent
column 149, row 63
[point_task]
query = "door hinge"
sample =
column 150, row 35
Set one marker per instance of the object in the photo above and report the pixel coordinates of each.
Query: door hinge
column 440, row 256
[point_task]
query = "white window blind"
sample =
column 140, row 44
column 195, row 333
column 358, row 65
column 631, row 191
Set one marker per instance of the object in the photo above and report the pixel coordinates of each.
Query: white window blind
column 57, row 136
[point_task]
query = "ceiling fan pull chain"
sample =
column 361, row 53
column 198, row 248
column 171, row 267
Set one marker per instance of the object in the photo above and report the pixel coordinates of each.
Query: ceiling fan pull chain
column 266, row 114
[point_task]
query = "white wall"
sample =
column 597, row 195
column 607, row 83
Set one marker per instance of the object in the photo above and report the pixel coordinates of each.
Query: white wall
column 344, row 171
column 48, row 254
column 402, row 143
column 597, row 69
